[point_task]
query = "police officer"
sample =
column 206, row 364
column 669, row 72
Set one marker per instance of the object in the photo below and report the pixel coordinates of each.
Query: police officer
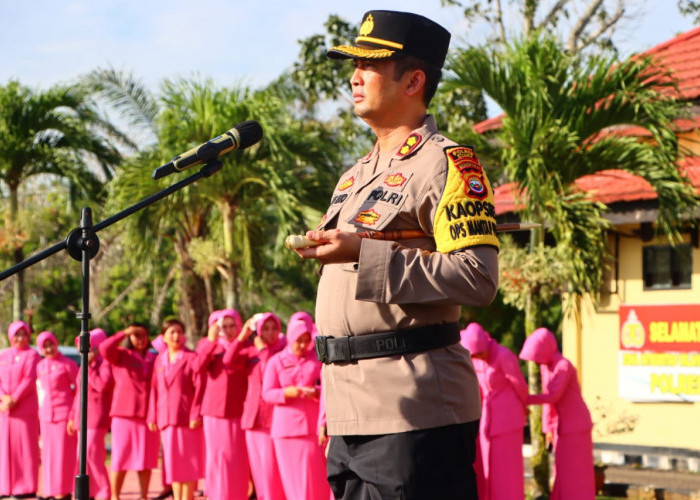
column 402, row 398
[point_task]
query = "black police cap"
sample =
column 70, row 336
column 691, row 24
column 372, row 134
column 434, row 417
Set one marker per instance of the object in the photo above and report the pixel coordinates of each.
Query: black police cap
column 385, row 34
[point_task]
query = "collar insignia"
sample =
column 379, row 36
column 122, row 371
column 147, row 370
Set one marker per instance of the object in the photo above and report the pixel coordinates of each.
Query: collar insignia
column 410, row 145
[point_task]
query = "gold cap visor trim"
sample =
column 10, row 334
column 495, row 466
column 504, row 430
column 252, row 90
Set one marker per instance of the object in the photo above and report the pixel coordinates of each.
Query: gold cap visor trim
column 350, row 51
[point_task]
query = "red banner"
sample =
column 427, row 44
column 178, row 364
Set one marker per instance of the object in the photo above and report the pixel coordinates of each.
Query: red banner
column 660, row 328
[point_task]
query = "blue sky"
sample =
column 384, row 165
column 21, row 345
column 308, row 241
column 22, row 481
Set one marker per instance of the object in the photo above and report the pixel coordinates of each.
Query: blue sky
column 43, row 42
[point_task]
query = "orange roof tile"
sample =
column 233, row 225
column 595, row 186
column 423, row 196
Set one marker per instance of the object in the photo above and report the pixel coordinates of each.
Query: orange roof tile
column 681, row 55
column 606, row 186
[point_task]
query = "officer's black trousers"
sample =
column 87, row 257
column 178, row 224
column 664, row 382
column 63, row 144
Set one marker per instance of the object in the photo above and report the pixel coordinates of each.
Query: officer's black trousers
column 429, row 464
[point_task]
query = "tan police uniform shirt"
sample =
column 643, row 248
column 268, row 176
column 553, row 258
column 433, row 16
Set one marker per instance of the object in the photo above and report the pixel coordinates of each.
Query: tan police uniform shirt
column 433, row 185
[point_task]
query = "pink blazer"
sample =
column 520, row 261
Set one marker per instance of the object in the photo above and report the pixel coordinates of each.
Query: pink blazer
column 297, row 416
column 503, row 390
column 224, row 385
column 175, row 396
column 100, row 389
column 57, row 377
column 560, row 388
column 132, row 378
column 18, row 379
column 257, row 413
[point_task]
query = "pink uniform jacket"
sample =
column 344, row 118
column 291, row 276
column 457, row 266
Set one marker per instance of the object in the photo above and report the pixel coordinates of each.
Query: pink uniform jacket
column 297, row 416
column 132, row 377
column 560, row 387
column 503, row 389
column 18, row 379
column 225, row 383
column 175, row 391
column 257, row 413
column 100, row 389
column 57, row 378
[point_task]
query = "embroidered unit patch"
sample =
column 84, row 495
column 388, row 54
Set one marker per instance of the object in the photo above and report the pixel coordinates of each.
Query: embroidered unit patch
column 367, row 217
column 466, row 215
column 395, row 180
column 346, row 184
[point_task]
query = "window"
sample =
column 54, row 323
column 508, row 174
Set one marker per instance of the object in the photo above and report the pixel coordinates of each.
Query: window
column 666, row 267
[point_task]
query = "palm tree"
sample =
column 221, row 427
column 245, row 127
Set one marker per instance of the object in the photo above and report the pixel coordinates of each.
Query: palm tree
column 261, row 194
column 561, row 111
column 49, row 133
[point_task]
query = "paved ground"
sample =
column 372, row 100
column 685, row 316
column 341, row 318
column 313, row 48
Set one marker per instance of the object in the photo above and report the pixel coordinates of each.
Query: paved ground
column 680, row 485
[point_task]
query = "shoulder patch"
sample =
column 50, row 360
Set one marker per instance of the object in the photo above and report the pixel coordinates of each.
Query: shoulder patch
column 466, row 215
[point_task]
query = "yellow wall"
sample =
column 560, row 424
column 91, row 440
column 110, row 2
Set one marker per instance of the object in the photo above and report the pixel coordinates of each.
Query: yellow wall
column 657, row 424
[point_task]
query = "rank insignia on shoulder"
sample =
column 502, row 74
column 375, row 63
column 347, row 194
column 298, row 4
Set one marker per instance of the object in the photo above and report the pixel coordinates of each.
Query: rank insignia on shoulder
column 346, row 184
column 367, row 217
column 410, row 145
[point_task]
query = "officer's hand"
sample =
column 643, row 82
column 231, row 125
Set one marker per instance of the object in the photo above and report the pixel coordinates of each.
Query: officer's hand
column 70, row 428
column 340, row 246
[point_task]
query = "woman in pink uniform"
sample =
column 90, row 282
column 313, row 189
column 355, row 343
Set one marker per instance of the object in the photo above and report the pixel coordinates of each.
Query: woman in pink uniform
column 258, row 340
column 570, row 429
column 174, row 409
column 99, row 395
column 499, row 465
column 134, row 445
column 19, row 415
column 227, row 471
column 56, row 374
column 292, row 384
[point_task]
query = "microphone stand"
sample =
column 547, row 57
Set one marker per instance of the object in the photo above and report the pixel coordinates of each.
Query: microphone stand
column 82, row 244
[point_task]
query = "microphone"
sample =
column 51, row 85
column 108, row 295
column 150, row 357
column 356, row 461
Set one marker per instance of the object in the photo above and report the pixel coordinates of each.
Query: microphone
column 243, row 135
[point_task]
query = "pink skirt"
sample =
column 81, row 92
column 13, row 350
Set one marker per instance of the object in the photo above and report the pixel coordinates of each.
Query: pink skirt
column 263, row 465
column 302, row 467
column 227, row 471
column 183, row 454
column 574, row 478
column 499, row 466
column 96, row 458
column 134, row 446
column 57, row 458
column 19, row 454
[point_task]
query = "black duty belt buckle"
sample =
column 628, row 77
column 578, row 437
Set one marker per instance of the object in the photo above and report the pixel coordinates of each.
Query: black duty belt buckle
column 321, row 346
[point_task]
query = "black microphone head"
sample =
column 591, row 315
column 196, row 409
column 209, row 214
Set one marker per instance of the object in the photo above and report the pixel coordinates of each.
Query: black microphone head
column 250, row 133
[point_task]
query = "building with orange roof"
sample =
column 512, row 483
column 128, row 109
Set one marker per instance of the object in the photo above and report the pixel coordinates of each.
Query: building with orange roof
column 637, row 350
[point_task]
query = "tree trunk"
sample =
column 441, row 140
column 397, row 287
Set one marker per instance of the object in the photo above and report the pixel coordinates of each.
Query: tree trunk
column 192, row 295
column 539, row 461
column 229, row 280
column 18, row 287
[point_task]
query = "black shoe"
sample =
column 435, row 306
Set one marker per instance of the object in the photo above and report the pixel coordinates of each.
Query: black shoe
column 163, row 495
column 25, row 495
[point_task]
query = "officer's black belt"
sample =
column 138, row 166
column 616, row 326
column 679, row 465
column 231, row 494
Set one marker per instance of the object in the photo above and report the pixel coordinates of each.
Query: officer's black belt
column 330, row 349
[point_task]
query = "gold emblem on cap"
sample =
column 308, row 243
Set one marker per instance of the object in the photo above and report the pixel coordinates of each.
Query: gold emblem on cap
column 367, row 26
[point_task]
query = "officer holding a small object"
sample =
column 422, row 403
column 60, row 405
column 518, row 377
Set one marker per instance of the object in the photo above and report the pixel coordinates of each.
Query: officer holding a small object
column 402, row 398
